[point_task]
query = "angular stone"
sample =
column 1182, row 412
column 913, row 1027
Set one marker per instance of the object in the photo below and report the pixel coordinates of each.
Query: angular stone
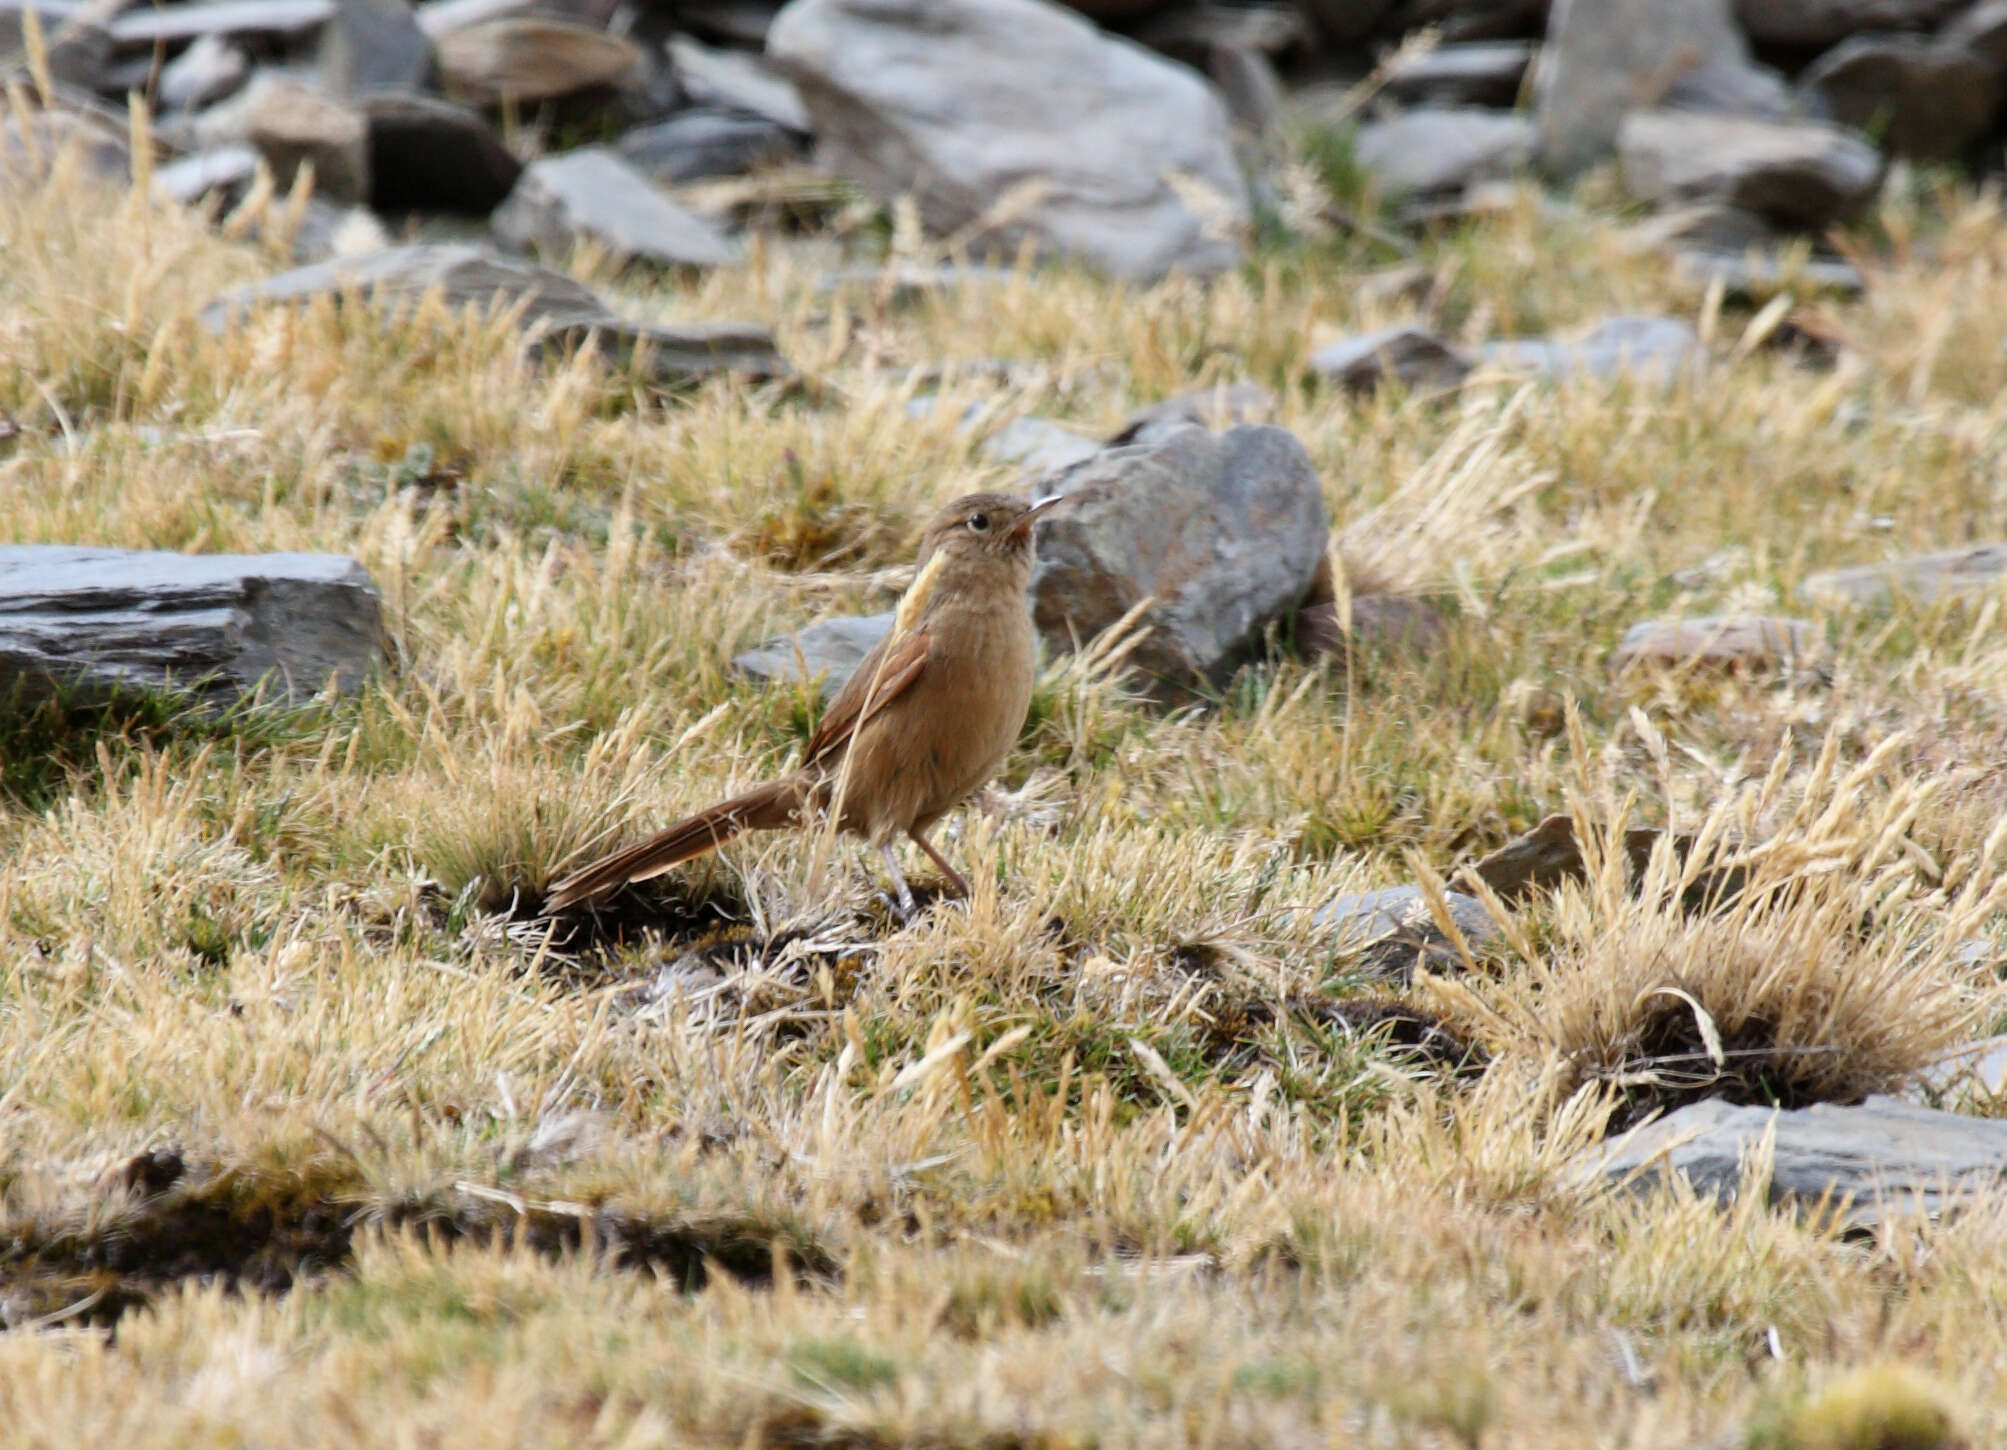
column 737, row 81
column 1485, row 73
column 1035, row 444
column 704, row 142
column 1707, row 226
column 374, row 45
column 557, row 313
column 826, row 653
column 1108, row 153
column 592, row 195
column 1214, row 408
column 1924, row 98
column 1795, row 174
column 1980, row 31
column 1767, row 272
column 1426, row 152
column 1389, row 932
column 31, row 150
column 203, row 74
column 100, row 622
column 1815, row 24
column 228, row 169
column 1882, row 1158
column 1656, row 349
column 426, row 154
column 1225, row 534
column 292, row 125
column 170, row 24
column 1732, row 641
column 1925, row 578
column 528, row 58
column 1606, row 58
column 1409, row 355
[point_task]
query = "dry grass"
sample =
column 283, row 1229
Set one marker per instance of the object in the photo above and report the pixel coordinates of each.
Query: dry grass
column 1101, row 1159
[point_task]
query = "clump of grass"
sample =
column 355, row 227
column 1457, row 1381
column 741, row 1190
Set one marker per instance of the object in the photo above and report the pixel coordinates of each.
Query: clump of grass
column 1876, row 1407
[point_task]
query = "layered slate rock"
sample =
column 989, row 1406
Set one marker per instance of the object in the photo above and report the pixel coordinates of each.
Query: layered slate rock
column 527, row 58
column 1868, row 1162
column 1485, row 73
column 1925, row 578
column 557, row 313
column 97, row 623
column 1406, row 354
column 592, row 195
column 143, row 27
column 1606, row 58
column 1431, row 153
column 736, row 81
column 1112, row 155
column 1925, row 98
column 1225, row 535
column 1794, row 174
column 824, row 654
column 703, row 142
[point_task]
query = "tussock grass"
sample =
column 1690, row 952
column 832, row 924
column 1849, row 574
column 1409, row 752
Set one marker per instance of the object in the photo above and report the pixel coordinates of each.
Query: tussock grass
column 1118, row 1153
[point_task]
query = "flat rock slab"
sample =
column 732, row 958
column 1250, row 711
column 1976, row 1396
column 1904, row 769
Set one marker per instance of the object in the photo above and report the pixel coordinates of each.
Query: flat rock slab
column 1651, row 349
column 168, row 24
column 103, row 622
column 1799, row 174
column 738, row 81
column 1718, row 642
column 1485, row 73
column 527, row 58
column 1223, row 534
column 592, row 195
column 558, row 314
column 1428, row 152
column 1409, row 355
column 1925, row 578
column 1883, row 1157
column 826, row 653
column 705, row 142
column 1388, row 932
column 1105, row 152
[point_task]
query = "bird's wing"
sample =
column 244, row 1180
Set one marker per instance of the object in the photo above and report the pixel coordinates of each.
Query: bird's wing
column 891, row 667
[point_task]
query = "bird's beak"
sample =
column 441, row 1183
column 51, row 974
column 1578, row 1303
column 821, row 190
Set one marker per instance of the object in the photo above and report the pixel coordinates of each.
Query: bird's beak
column 1022, row 528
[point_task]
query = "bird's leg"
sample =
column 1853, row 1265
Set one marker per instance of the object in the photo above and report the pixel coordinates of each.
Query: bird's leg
column 955, row 878
column 891, row 860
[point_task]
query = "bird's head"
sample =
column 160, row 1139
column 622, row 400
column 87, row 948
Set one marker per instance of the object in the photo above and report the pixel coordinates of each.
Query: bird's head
column 984, row 526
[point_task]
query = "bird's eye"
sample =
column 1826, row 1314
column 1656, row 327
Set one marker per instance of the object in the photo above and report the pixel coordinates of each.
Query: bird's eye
column 980, row 523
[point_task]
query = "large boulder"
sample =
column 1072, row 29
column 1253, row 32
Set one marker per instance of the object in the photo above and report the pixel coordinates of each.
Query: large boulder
column 557, row 313
column 94, row 623
column 1814, row 24
column 1223, row 533
column 1099, row 149
column 1606, row 58
column 1795, row 174
column 592, row 195
column 1926, row 98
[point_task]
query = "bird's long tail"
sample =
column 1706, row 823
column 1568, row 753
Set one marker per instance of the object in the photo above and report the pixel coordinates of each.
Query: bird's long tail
column 767, row 808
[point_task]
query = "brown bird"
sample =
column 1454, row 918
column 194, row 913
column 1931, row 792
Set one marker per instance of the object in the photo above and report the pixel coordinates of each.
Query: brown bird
column 928, row 716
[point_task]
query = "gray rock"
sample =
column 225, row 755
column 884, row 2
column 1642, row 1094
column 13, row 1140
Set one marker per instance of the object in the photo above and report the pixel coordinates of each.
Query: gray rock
column 737, row 81
column 138, row 29
column 1767, row 272
column 529, row 58
column 1924, row 98
column 1606, row 58
column 1721, row 642
column 1980, row 31
column 558, row 314
column 100, row 622
column 1215, row 408
column 55, row 137
column 1794, row 174
column 1427, row 152
column 1035, row 444
column 1814, row 24
column 374, row 45
column 1484, row 73
column 591, row 194
column 1882, row 1157
column 704, row 142
column 1705, row 226
column 1409, row 355
column 1925, row 578
column 76, row 43
column 1389, row 625
column 1112, row 155
column 228, row 169
column 426, row 154
column 1657, row 349
column 209, row 70
column 1224, row 533
column 292, row 125
column 1264, row 29
column 1388, row 932
column 827, row 652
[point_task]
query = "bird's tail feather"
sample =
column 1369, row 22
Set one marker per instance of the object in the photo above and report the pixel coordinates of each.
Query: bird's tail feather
column 763, row 809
